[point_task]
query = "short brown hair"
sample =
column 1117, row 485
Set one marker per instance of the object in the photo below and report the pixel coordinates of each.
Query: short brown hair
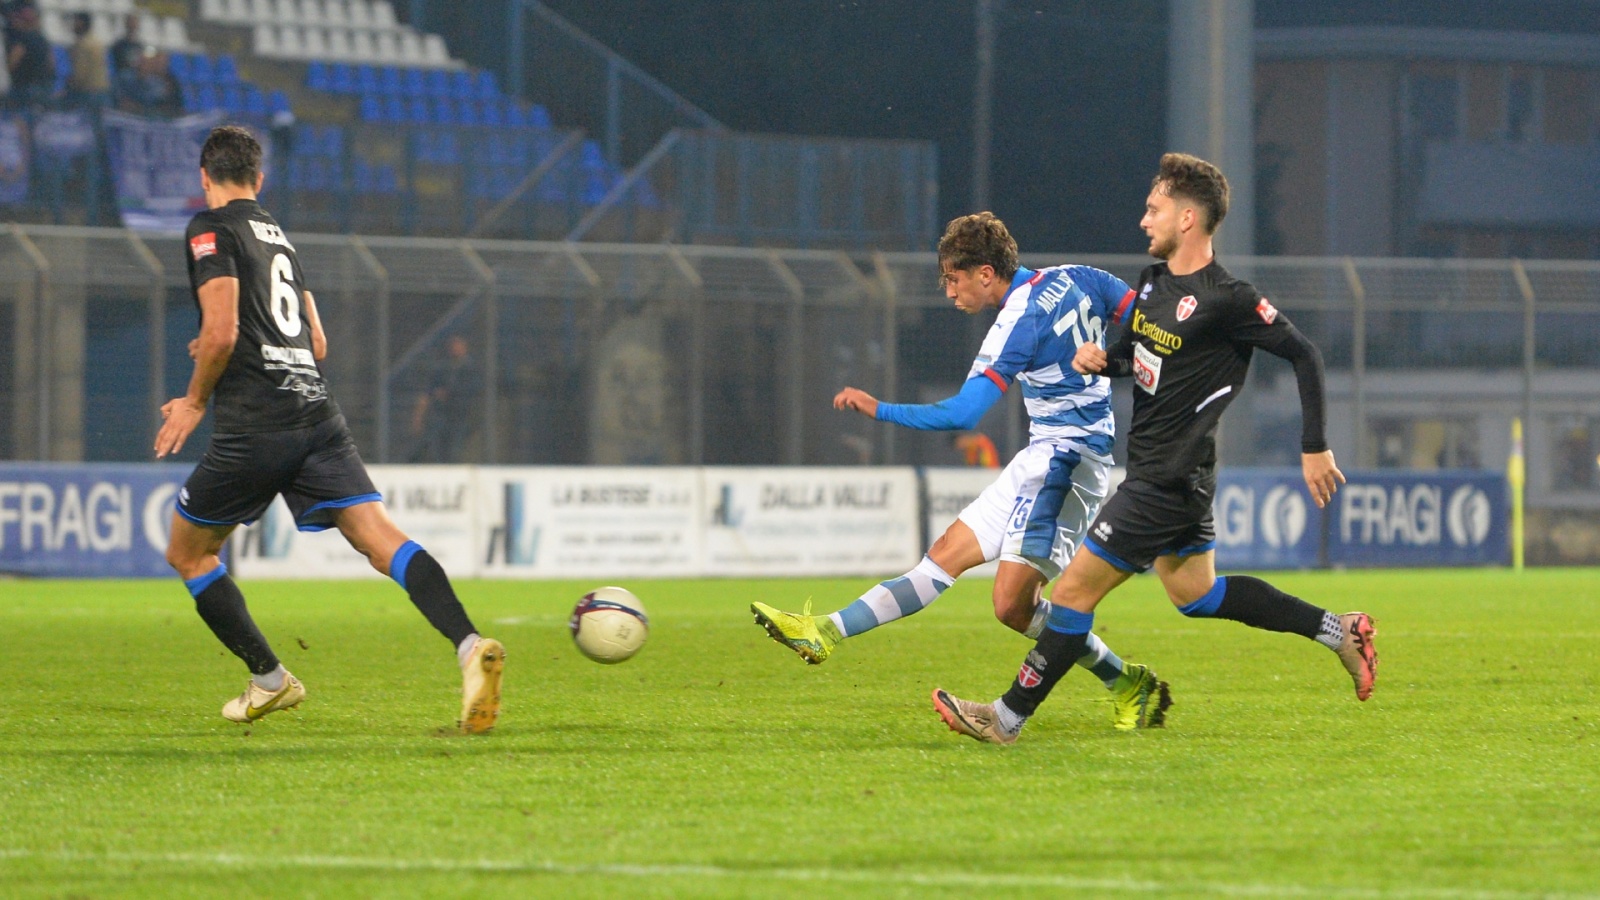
column 231, row 155
column 977, row 240
column 1197, row 181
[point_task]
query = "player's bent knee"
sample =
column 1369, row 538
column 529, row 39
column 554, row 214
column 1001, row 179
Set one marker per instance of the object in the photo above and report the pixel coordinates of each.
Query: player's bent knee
column 1205, row 606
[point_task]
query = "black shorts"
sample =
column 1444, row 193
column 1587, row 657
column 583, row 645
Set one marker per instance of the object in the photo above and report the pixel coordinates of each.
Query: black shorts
column 317, row 470
column 1142, row 521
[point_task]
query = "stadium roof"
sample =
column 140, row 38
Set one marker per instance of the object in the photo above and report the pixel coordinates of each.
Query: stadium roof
column 1443, row 44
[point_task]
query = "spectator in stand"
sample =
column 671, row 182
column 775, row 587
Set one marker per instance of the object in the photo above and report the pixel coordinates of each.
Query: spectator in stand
column 88, row 84
column 126, row 56
column 29, row 59
column 158, row 93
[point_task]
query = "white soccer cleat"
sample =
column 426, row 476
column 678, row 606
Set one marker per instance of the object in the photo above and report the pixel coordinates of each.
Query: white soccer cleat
column 480, row 686
column 257, row 701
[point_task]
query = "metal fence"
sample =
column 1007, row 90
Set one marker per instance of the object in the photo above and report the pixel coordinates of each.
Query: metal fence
column 678, row 354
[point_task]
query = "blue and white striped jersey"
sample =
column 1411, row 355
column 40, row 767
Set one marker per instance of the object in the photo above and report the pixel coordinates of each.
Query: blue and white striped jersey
column 1044, row 319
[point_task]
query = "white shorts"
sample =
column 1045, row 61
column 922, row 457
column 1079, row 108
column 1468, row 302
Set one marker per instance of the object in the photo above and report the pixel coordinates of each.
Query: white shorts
column 1038, row 509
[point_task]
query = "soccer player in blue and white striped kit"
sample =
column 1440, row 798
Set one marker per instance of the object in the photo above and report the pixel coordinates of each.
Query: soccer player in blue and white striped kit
column 1033, row 517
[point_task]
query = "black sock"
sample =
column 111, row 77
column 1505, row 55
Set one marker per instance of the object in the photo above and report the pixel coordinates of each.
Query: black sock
column 221, row 604
column 1260, row 605
column 1049, row 659
column 424, row 579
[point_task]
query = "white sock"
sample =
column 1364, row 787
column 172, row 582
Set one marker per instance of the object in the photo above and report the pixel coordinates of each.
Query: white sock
column 272, row 681
column 1041, row 615
column 464, row 648
column 1010, row 722
column 1331, row 634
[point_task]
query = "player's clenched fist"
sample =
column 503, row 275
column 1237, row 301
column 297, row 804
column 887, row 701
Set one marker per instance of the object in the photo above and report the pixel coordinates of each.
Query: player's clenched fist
column 858, row 400
column 1322, row 476
column 1089, row 359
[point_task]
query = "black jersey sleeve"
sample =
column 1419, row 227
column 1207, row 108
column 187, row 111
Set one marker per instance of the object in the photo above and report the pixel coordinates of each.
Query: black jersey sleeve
column 1119, row 354
column 1256, row 322
column 213, row 250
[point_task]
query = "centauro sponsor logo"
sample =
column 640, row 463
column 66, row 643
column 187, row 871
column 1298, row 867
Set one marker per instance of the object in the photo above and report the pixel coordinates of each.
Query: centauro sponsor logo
column 1165, row 340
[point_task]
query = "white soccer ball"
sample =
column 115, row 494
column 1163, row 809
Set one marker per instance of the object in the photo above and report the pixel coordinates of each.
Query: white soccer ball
column 609, row 625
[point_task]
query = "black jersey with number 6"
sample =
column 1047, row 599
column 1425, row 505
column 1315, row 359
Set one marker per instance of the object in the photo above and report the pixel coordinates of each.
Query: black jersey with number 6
column 272, row 382
column 1188, row 347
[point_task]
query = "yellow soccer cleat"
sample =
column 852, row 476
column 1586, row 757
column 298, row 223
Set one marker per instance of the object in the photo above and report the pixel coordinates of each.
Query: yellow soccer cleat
column 480, row 686
column 257, row 701
column 813, row 637
column 1139, row 699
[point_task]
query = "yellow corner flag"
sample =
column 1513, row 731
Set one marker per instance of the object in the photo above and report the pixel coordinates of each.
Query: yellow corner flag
column 1517, row 476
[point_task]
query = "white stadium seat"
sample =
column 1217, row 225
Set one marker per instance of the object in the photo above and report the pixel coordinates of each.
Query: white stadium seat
column 360, row 14
column 266, row 40
column 286, row 11
column 311, row 12
column 386, row 47
column 316, row 43
column 338, row 43
column 262, row 11
column 362, row 47
column 291, row 42
column 382, row 14
column 335, row 12
column 174, row 33
column 410, row 48
column 433, row 50
column 212, row 11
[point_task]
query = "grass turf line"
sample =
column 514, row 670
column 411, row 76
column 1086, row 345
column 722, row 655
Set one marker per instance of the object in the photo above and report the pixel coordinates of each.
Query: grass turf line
column 718, row 764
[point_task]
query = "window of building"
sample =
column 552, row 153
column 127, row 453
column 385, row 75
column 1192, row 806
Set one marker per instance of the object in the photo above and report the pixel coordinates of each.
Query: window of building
column 1569, row 105
column 1522, row 105
column 1434, row 101
column 1445, row 443
column 1575, row 453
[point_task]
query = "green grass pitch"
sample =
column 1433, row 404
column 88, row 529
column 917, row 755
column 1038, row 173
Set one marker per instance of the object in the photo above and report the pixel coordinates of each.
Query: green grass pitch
column 717, row 764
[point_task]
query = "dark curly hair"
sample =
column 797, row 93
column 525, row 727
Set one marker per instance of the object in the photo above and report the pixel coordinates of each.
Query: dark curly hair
column 231, row 155
column 977, row 240
column 1197, row 181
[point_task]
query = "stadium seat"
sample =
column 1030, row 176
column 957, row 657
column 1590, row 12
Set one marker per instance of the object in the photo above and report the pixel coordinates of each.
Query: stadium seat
column 590, row 155
column 290, row 41
column 386, row 47
column 467, row 112
column 226, row 71
column 515, row 115
column 265, row 41
column 438, row 83
column 255, row 102
column 178, row 65
column 311, row 12
column 371, row 108
column 63, row 64
column 314, row 42
column 335, row 12
column 462, row 86
column 416, row 84
column 539, row 117
column 278, row 102
column 317, row 76
column 232, row 99
column 174, row 33
column 443, row 111
column 486, row 87
column 342, row 78
column 418, row 111
column 434, row 52
column 206, row 97
column 362, row 46
column 366, row 79
column 383, row 14
column 394, row 110
column 360, row 15
column 389, row 80
column 489, row 113
column 200, row 68
column 339, row 43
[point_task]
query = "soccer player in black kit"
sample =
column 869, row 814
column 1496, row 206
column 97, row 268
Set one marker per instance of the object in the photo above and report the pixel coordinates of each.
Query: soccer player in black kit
column 278, row 432
column 1188, row 348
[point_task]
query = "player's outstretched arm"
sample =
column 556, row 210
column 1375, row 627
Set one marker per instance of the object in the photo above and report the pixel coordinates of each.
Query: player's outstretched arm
column 958, row 413
column 219, row 331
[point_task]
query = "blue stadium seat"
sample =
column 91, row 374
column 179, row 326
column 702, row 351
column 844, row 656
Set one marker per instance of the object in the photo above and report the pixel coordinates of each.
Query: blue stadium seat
column 447, row 149
column 200, row 68
column 206, row 97
column 467, row 113
column 225, row 71
column 487, row 89
column 394, row 110
column 255, row 102
column 489, row 113
column 178, row 65
column 191, row 97
column 232, row 96
column 333, row 141
column 371, row 108
column 590, row 155
column 539, row 117
column 515, row 115
column 317, row 76
column 416, row 84
column 418, row 112
column 366, row 79
column 389, row 80
column 443, row 111
column 439, row 83
column 341, row 79
column 277, row 102
column 462, row 86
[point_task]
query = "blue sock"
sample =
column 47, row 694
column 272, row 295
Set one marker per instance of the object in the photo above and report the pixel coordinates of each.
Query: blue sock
column 1206, row 606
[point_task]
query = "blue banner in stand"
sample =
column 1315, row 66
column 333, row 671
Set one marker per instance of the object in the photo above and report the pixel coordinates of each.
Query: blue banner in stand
column 155, row 165
column 13, row 161
column 1443, row 518
column 1265, row 519
column 87, row 520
